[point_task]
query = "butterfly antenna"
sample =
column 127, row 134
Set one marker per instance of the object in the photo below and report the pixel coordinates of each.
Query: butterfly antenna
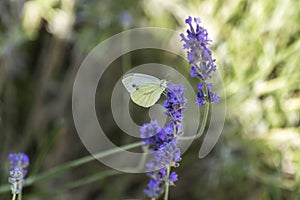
column 165, row 93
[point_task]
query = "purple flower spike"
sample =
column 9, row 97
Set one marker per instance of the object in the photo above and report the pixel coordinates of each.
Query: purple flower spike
column 163, row 142
column 19, row 162
column 198, row 54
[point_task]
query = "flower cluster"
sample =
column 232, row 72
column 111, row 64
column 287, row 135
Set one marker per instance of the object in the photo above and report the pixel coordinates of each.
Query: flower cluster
column 163, row 143
column 200, row 59
column 175, row 103
column 19, row 163
column 202, row 97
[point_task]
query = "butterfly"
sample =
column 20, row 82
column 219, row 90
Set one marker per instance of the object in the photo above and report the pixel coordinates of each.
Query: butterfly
column 145, row 90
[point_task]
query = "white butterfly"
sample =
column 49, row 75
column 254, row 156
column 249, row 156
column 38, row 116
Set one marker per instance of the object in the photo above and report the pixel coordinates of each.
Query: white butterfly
column 145, row 90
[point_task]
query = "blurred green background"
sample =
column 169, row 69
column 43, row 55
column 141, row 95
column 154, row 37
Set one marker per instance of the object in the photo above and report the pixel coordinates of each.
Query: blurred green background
column 257, row 47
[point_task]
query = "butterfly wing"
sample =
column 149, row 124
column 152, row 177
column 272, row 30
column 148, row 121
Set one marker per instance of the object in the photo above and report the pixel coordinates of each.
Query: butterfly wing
column 147, row 94
column 133, row 80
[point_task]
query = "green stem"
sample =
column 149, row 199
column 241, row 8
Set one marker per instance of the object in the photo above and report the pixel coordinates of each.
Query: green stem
column 14, row 195
column 202, row 127
column 87, row 180
column 60, row 169
column 46, row 147
column 143, row 160
column 204, row 121
column 40, row 194
column 20, row 194
column 167, row 183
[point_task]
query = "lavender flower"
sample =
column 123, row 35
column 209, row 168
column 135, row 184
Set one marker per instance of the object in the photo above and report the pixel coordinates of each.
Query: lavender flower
column 198, row 54
column 19, row 163
column 164, row 143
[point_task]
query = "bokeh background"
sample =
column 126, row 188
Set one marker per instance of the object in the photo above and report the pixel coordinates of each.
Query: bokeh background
column 257, row 47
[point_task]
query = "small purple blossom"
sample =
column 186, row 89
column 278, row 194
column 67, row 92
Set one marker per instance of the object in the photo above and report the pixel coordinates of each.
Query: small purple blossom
column 154, row 188
column 158, row 138
column 155, row 185
column 19, row 163
column 193, row 72
column 198, row 54
column 168, row 154
column 173, row 178
column 149, row 130
column 203, row 96
column 212, row 97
